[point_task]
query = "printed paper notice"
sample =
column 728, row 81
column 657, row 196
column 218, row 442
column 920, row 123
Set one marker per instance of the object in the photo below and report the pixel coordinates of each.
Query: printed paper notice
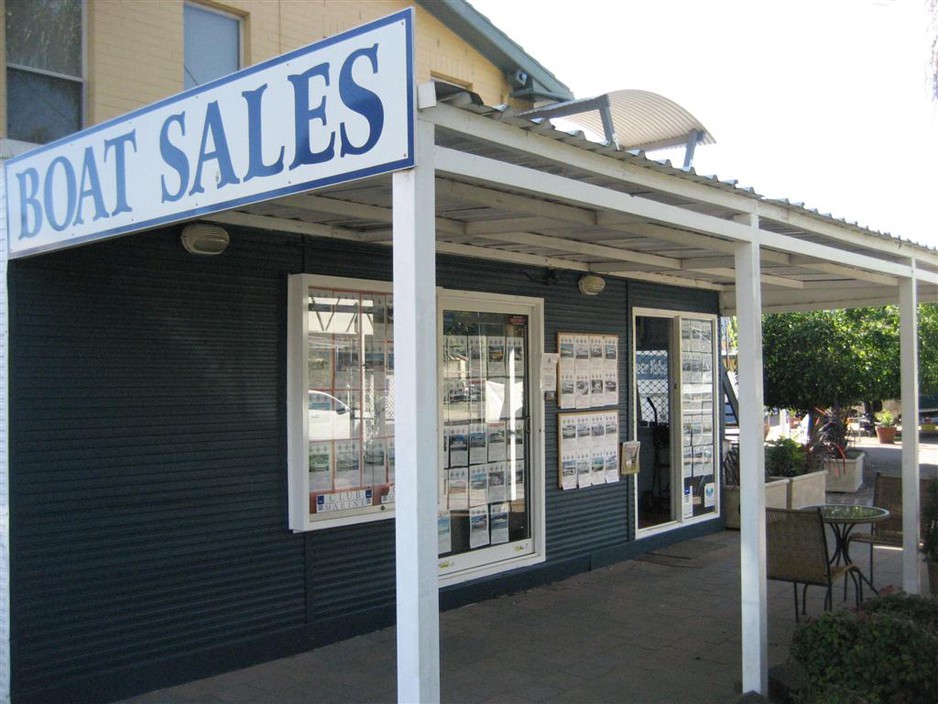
column 568, row 473
column 320, row 466
column 597, row 467
column 688, row 504
column 444, row 533
column 583, row 469
column 457, row 485
column 478, row 526
column 499, row 521
column 549, row 363
column 498, row 482
column 611, row 466
column 478, row 484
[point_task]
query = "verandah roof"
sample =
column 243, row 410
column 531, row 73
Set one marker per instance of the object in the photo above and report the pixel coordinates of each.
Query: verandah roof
column 514, row 190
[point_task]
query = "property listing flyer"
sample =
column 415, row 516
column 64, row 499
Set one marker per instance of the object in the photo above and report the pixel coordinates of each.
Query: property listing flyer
column 588, row 448
column 498, row 521
column 588, row 374
column 444, row 533
column 478, row 526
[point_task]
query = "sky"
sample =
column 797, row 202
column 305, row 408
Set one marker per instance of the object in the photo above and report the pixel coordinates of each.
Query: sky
column 822, row 102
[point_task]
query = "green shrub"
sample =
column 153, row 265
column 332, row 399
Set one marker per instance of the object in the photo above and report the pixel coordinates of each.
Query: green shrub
column 784, row 458
column 886, row 652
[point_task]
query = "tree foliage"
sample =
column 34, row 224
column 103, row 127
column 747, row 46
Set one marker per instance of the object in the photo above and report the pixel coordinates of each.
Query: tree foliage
column 822, row 359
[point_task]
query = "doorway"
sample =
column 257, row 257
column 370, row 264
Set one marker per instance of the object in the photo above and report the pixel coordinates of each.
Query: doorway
column 653, row 385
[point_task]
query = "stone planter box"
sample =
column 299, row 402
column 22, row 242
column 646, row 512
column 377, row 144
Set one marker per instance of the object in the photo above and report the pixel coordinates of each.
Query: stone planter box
column 731, row 506
column 846, row 475
column 776, row 492
column 784, row 492
column 776, row 496
column 808, row 489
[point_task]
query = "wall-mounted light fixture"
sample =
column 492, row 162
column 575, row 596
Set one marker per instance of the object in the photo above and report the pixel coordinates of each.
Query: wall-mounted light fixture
column 591, row 285
column 202, row 238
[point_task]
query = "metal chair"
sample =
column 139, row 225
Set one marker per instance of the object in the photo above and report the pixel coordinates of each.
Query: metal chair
column 796, row 552
column 887, row 494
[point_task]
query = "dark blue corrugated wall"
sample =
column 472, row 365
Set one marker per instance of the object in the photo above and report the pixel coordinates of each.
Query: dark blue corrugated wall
column 148, row 467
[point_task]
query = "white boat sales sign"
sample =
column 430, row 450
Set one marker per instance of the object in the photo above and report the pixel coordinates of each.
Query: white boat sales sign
column 337, row 110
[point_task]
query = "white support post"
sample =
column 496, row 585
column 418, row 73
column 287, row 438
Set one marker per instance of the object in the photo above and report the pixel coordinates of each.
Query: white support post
column 415, row 420
column 751, row 468
column 908, row 354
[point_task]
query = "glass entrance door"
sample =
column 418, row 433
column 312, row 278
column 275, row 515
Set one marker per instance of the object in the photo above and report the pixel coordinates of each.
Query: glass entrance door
column 653, row 354
column 675, row 410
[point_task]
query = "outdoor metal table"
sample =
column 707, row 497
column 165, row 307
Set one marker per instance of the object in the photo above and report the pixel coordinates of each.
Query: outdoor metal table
column 842, row 518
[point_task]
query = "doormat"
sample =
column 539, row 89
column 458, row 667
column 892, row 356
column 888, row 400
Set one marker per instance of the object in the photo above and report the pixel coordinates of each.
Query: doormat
column 690, row 553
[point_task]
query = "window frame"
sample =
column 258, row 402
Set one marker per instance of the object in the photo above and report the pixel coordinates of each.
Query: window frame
column 676, row 410
column 494, row 559
column 81, row 80
column 228, row 13
column 452, row 569
column 298, row 286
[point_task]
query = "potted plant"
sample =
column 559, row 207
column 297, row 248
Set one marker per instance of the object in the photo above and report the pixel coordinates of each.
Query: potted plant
column 828, row 449
column 886, row 427
column 790, row 480
column 929, row 521
column 805, row 483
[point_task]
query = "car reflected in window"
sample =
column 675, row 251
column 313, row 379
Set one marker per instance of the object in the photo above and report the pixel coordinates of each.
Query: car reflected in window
column 329, row 418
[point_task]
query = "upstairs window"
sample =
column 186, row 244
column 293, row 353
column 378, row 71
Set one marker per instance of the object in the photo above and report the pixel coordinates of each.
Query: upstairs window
column 44, row 69
column 212, row 46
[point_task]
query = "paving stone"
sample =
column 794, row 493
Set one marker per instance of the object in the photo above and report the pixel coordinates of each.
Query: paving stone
column 632, row 632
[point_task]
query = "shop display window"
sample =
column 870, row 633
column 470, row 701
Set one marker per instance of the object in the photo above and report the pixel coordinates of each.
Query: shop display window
column 489, row 489
column 342, row 373
column 340, row 419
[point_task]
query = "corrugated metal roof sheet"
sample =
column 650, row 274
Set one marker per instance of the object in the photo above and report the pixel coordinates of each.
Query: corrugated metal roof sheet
column 646, row 120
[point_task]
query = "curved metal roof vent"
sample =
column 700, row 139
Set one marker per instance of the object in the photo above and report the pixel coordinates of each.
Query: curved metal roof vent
column 632, row 119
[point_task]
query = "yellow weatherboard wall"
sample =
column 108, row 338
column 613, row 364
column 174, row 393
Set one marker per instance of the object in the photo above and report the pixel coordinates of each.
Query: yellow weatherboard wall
column 134, row 48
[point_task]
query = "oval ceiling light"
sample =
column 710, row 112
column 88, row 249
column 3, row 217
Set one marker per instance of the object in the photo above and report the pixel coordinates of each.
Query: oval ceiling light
column 201, row 238
column 591, row 285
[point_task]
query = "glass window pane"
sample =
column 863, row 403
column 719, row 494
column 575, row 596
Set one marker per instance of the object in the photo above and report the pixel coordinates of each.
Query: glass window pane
column 212, row 45
column 45, row 34
column 484, row 477
column 698, row 440
column 41, row 108
column 350, row 407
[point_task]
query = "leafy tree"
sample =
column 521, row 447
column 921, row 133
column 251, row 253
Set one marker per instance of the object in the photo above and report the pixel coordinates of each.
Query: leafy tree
column 839, row 358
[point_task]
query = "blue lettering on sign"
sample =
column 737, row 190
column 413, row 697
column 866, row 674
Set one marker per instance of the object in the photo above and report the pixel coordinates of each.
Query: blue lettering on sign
column 217, row 138
column 60, row 179
column 49, row 190
column 90, row 187
column 174, row 157
column 215, row 126
column 29, row 203
column 362, row 101
column 303, row 115
column 119, row 145
column 256, row 165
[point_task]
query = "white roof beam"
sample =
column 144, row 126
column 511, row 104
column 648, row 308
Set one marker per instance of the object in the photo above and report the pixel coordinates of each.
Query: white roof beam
column 488, row 170
column 523, row 224
column 846, row 271
column 511, row 175
column 730, row 273
column 334, row 206
column 526, row 142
